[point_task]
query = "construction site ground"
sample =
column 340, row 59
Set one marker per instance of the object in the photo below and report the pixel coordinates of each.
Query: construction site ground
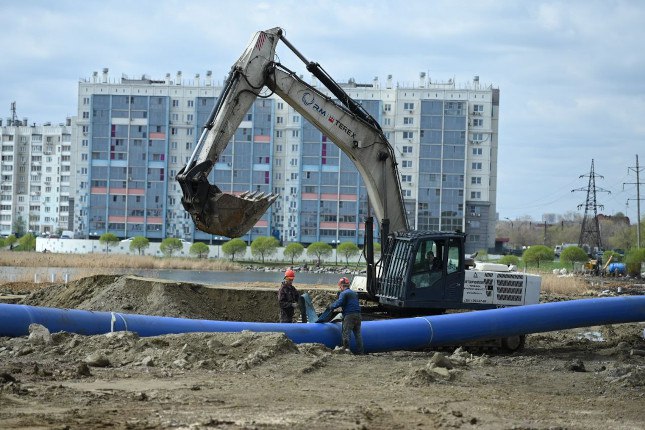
column 586, row 378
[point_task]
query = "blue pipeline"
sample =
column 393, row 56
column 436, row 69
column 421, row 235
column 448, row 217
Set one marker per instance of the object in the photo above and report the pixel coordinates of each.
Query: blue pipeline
column 378, row 336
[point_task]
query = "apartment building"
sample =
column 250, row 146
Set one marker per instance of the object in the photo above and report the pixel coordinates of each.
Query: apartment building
column 35, row 181
column 134, row 135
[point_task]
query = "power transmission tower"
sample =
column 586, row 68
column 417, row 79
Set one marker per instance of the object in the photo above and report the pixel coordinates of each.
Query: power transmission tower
column 590, row 231
column 638, row 199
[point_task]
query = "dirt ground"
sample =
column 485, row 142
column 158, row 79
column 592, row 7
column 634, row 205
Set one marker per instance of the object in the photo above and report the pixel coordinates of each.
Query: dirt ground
column 586, row 378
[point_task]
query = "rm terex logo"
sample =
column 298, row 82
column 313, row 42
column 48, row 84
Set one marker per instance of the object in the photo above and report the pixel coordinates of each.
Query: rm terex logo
column 308, row 99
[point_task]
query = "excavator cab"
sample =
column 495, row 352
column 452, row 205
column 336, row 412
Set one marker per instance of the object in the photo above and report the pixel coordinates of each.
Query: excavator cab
column 422, row 271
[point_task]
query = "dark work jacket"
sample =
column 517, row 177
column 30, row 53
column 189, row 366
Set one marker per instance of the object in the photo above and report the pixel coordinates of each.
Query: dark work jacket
column 287, row 294
column 348, row 299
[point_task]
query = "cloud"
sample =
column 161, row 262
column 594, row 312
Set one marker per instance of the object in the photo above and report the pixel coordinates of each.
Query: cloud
column 570, row 73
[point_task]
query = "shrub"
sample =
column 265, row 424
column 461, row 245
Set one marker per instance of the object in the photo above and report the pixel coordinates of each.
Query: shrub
column 510, row 260
column 234, row 247
column 264, row 246
column 293, row 251
column 319, row 250
column 200, row 249
column 536, row 254
column 633, row 260
column 108, row 239
column 170, row 245
column 573, row 254
column 348, row 250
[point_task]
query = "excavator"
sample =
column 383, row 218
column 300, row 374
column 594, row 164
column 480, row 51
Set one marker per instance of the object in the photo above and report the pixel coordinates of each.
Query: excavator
column 402, row 282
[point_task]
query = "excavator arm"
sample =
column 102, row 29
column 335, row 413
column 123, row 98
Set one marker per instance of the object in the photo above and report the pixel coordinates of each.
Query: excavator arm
column 346, row 124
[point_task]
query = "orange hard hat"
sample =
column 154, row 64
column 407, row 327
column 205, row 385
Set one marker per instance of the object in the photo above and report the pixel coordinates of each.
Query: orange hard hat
column 343, row 281
column 290, row 274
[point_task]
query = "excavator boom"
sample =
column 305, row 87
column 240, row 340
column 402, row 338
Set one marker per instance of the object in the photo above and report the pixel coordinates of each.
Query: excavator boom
column 346, row 124
column 212, row 210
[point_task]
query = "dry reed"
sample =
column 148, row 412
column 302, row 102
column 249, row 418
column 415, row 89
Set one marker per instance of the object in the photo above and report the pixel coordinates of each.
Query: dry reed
column 106, row 261
column 563, row 285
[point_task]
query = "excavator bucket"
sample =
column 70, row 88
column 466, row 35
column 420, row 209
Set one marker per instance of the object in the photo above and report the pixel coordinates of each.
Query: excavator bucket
column 230, row 215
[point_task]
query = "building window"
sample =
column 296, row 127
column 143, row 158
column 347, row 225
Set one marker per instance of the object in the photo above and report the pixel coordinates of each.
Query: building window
column 408, row 120
column 476, row 180
column 295, row 133
column 477, row 151
column 408, row 135
column 478, row 137
column 478, row 122
column 387, row 107
column 406, row 178
column 407, row 149
column 279, row 120
column 477, row 166
column 408, row 106
column 478, row 108
column 278, row 133
column 406, row 163
column 475, row 195
column 175, row 103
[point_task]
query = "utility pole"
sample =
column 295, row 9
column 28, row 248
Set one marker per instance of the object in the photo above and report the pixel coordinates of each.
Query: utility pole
column 638, row 199
column 590, row 231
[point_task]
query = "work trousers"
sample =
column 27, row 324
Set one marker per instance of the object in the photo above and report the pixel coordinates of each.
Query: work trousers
column 352, row 324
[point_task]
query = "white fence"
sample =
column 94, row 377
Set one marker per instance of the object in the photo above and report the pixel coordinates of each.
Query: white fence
column 86, row 246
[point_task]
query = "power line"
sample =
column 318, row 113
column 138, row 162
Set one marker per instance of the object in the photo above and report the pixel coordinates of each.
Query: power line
column 638, row 199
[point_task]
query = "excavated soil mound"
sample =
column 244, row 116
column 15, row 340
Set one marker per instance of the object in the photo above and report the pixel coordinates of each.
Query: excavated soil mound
column 136, row 295
column 586, row 378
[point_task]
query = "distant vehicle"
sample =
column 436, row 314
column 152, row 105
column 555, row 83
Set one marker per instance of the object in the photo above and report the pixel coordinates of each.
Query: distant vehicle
column 127, row 241
column 559, row 248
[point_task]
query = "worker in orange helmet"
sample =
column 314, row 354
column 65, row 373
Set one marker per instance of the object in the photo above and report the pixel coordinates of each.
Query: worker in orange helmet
column 348, row 300
column 288, row 297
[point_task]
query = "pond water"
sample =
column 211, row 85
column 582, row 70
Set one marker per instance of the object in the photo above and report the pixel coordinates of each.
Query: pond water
column 62, row 274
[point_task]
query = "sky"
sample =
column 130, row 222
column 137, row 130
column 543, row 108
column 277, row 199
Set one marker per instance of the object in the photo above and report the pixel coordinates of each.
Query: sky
column 571, row 74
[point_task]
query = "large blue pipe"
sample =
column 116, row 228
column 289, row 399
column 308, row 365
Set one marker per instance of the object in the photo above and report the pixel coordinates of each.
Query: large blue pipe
column 383, row 335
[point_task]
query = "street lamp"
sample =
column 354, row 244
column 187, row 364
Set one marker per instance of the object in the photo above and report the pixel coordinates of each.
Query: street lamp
column 508, row 219
column 335, row 242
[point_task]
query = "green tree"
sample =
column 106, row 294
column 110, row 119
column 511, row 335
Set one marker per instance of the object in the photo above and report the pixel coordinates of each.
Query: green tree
column 139, row 244
column 573, row 254
column 264, row 246
column 234, row 247
column 536, row 254
column 293, row 251
column 615, row 257
column 3, row 242
column 633, row 260
column 200, row 249
column 170, row 245
column 319, row 250
column 348, row 250
column 510, row 260
column 108, row 239
column 19, row 226
column 10, row 241
column 27, row 242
